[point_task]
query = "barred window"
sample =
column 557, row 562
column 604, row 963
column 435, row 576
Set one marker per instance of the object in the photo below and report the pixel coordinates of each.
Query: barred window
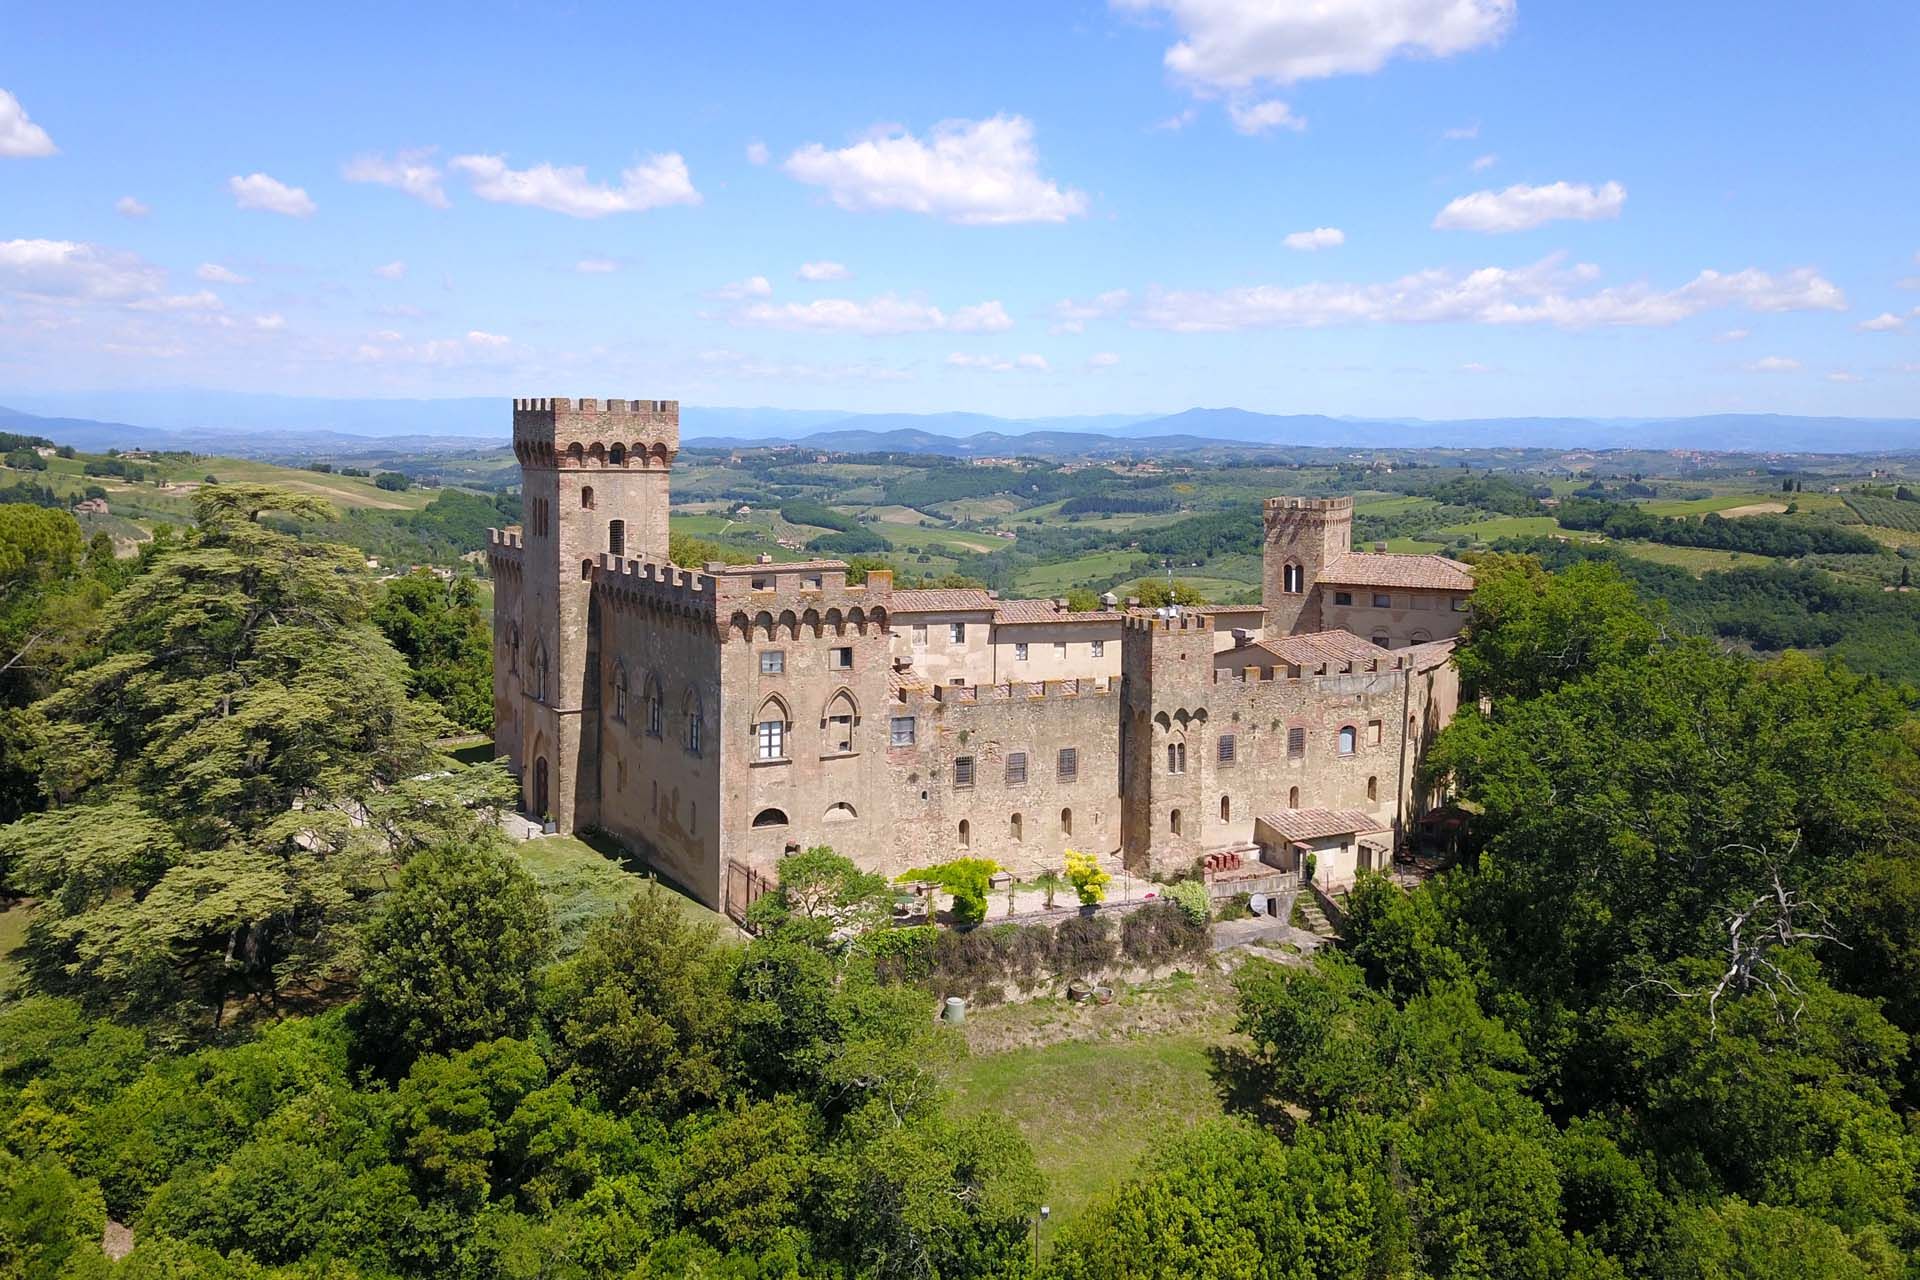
column 1067, row 768
column 1296, row 742
column 1226, row 748
column 901, row 734
column 962, row 772
column 1099, row 648
column 1016, row 768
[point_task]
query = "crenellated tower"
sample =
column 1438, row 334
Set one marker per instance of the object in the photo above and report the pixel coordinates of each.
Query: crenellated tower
column 1302, row 537
column 594, row 478
column 1166, row 663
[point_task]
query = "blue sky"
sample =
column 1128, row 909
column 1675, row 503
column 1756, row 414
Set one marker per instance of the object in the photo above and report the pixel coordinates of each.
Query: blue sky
column 1442, row 208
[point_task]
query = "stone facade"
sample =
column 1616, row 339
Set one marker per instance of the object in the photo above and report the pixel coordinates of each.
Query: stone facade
column 726, row 714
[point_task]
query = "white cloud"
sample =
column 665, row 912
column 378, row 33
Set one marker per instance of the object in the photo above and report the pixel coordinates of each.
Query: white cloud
column 214, row 273
column 1483, row 163
column 1178, row 120
column 1544, row 293
column 757, row 153
column 1521, row 207
column 20, row 137
column 128, row 207
column 1236, row 43
column 1071, row 315
column 270, row 323
column 984, row 172
column 69, row 270
column 480, row 338
column 1318, row 238
column 1102, row 360
column 270, row 195
column 391, row 270
column 1734, row 335
column 596, row 266
column 823, row 271
column 390, row 348
column 1774, row 364
column 655, row 182
column 885, row 314
column 1475, row 366
column 1844, row 375
column 201, row 300
column 751, row 287
column 1263, row 117
column 410, row 171
column 1885, row 322
column 1000, row 364
column 1463, row 132
column 742, row 365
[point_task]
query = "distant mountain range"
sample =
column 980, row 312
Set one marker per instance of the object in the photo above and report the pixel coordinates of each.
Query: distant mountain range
column 263, row 425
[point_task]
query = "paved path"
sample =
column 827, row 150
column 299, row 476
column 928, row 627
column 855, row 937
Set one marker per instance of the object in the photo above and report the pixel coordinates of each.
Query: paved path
column 1261, row 931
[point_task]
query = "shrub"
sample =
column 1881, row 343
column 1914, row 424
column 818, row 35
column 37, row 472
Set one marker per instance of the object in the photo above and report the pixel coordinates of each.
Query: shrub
column 1191, row 896
column 1163, row 931
column 965, row 879
column 1087, row 877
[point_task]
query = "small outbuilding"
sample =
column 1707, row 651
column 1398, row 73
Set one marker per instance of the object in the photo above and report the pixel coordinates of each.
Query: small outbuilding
column 1343, row 842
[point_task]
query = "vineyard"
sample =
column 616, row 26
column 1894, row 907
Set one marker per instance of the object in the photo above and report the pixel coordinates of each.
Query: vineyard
column 1886, row 513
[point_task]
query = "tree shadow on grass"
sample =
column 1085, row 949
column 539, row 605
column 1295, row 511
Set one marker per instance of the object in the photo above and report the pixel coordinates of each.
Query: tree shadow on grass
column 1240, row 1078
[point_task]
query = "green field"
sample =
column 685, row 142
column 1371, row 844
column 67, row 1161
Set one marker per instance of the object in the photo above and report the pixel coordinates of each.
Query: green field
column 1505, row 527
column 1092, row 570
column 1695, row 560
column 581, row 885
column 1720, row 502
column 1089, row 1109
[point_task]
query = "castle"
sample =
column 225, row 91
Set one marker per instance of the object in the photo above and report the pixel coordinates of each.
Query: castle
column 714, row 718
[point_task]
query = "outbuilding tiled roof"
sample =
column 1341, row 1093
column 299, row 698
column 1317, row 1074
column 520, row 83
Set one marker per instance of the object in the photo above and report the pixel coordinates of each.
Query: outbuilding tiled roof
column 943, row 600
column 1383, row 569
column 1023, row 611
column 1317, row 647
column 1433, row 653
column 1318, row 824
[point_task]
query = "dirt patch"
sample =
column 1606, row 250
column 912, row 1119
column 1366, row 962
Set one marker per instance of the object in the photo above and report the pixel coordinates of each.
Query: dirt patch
column 1756, row 509
column 117, row 1240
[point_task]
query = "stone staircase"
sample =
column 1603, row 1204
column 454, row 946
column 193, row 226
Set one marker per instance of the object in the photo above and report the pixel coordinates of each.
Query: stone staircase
column 1316, row 919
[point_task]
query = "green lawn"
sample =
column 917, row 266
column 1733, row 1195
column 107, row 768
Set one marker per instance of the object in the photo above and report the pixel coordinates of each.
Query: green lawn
column 581, row 885
column 1089, row 1109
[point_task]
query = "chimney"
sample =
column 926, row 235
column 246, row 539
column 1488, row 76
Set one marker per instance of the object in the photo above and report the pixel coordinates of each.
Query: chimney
column 1379, row 546
column 764, row 559
column 1059, row 605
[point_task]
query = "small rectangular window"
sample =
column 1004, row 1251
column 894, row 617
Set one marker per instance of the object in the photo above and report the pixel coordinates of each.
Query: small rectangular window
column 1020, row 653
column 901, row 731
column 1296, row 742
column 772, row 739
column 1067, row 768
column 617, row 537
column 1423, row 602
column 842, row 659
column 840, row 733
column 957, row 632
column 1381, row 600
column 1099, row 648
column 1226, row 748
column 1059, row 648
column 773, row 662
column 763, row 583
column 1459, row 604
column 919, row 635
column 962, row 772
column 1373, row 733
column 1343, row 597
column 1016, row 768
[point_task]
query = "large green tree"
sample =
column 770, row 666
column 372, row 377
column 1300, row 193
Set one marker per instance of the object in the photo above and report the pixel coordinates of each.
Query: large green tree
column 446, row 638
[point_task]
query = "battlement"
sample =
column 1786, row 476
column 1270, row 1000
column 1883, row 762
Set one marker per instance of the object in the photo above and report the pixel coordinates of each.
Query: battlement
column 658, row 585
column 800, row 584
column 1023, row 690
column 1308, row 504
column 504, row 541
column 1168, row 622
column 1281, row 672
column 550, row 430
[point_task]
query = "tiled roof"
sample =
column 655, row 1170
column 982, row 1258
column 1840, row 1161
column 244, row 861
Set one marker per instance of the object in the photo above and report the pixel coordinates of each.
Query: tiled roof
column 1433, row 653
column 1020, row 611
column 1317, row 824
column 901, row 683
column 772, row 567
column 1380, row 569
column 1317, row 647
column 943, row 600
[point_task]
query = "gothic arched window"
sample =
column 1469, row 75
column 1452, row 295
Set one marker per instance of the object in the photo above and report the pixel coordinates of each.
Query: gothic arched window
column 656, row 707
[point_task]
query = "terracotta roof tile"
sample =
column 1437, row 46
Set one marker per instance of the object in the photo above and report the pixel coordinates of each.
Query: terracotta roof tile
column 1382, row 569
column 943, row 600
column 1317, row 647
column 1318, row 824
column 1022, row 611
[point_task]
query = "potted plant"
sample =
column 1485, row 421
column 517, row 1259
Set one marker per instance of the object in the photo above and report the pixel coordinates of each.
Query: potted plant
column 548, row 826
column 1088, row 879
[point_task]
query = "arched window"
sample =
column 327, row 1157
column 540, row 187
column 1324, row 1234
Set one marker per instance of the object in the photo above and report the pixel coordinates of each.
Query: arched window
column 770, row 730
column 1066, row 822
column 1173, row 822
column 1293, row 579
column 513, row 644
column 1349, row 739
column 966, row 833
column 617, row 456
column 656, row 707
column 617, row 537
column 620, row 692
column 586, row 570
column 1176, row 757
column 541, row 672
column 586, row 497
column 1226, row 809
column 1420, row 637
column 1293, row 797
column 690, row 707
column 839, row 720
column 1373, row 788
column 1382, row 639
column 1013, row 828
column 841, row 812
column 770, row 818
